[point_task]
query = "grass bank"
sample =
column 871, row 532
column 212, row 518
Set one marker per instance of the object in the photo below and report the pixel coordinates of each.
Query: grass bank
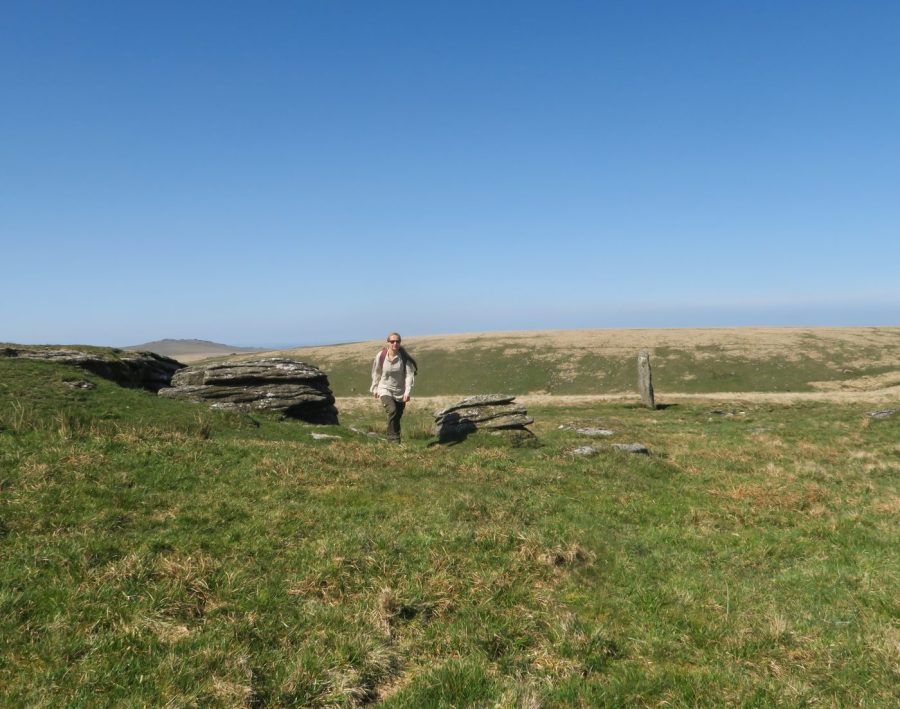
column 579, row 362
column 156, row 552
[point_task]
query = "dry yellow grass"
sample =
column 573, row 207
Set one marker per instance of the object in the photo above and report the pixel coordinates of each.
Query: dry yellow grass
column 835, row 347
column 755, row 342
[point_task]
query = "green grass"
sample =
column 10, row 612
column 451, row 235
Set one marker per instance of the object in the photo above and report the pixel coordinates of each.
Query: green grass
column 153, row 551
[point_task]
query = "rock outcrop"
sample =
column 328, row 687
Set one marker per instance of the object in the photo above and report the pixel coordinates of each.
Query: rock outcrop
column 296, row 389
column 144, row 370
column 483, row 412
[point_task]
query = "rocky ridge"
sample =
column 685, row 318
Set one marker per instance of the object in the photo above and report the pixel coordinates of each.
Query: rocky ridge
column 145, row 370
column 293, row 388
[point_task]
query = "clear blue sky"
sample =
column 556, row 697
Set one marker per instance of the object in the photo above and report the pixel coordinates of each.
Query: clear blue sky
column 319, row 171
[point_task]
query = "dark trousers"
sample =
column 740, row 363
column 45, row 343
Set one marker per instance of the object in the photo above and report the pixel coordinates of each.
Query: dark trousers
column 394, row 410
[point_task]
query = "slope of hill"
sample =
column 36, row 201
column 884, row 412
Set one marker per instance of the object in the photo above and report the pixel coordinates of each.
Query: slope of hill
column 190, row 350
column 572, row 362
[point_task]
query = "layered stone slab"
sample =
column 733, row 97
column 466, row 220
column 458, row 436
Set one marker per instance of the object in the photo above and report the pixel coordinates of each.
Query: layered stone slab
column 482, row 412
column 293, row 388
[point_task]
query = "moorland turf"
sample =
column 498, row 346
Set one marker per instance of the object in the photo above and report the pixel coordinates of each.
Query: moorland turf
column 566, row 362
column 153, row 552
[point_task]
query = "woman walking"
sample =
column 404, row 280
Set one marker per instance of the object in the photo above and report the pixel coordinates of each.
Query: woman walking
column 393, row 376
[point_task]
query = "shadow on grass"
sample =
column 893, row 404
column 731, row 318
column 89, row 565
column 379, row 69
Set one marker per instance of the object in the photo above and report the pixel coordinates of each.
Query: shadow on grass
column 659, row 407
column 505, row 438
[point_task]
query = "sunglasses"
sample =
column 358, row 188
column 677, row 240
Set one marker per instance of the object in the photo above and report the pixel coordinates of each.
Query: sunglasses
column 393, row 342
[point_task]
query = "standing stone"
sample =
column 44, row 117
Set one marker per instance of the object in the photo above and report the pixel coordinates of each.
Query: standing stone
column 645, row 381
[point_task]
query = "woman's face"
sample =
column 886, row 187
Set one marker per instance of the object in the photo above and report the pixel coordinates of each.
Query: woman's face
column 394, row 343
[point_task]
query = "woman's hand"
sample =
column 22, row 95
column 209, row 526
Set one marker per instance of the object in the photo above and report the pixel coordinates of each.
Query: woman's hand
column 406, row 398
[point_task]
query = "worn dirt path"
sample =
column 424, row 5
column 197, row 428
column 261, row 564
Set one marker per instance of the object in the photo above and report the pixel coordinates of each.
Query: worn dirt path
column 886, row 396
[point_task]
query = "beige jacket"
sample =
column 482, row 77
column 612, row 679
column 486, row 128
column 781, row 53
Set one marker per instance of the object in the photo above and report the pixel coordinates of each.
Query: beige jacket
column 393, row 379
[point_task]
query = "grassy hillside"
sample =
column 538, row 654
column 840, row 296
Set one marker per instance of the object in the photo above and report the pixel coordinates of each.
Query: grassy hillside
column 604, row 361
column 153, row 552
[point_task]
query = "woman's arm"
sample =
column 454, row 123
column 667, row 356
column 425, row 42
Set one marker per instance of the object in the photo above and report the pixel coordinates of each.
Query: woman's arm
column 376, row 375
column 410, row 380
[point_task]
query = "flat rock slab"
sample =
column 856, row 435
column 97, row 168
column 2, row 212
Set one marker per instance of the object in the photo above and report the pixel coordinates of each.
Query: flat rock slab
column 588, row 431
column 485, row 411
column 883, row 414
column 370, row 434
column 638, row 448
column 483, row 414
column 271, row 396
column 272, row 370
column 479, row 400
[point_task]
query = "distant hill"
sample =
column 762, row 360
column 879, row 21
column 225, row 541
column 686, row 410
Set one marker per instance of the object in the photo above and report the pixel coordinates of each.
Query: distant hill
column 191, row 350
